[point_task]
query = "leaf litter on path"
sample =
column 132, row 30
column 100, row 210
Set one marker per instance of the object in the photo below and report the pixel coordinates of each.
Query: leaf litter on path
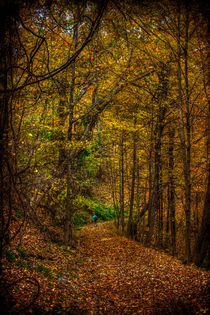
column 124, row 277
column 110, row 274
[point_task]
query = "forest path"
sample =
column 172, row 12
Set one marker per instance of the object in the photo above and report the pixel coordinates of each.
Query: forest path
column 120, row 276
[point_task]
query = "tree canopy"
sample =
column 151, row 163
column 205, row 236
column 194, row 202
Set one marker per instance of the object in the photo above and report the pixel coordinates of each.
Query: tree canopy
column 104, row 109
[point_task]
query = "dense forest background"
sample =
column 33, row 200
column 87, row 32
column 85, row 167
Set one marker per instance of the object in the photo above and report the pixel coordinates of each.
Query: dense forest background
column 104, row 109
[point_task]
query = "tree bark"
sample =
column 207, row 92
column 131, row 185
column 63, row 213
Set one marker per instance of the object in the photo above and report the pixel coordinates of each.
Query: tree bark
column 138, row 201
column 171, row 197
column 68, row 225
column 185, row 129
column 122, row 184
column 202, row 248
column 130, row 219
column 154, row 203
column 202, row 245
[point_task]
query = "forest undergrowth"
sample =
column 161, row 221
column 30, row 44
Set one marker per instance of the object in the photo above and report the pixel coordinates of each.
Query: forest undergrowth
column 104, row 274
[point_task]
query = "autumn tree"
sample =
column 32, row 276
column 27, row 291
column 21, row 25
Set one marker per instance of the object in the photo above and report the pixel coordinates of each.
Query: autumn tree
column 168, row 41
column 27, row 59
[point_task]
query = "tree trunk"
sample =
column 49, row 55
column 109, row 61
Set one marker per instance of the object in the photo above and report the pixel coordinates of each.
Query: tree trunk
column 154, row 206
column 4, row 121
column 171, row 197
column 155, row 198
column 167, row 216
column 68, row 226
column 5, row 176
column 142, row 231
column 122, row 196
column 160, row 216
column 150, row 179
column 113, row 181
column 130, row 219
column 138, row 201
column 184, row 130
column 202, row 247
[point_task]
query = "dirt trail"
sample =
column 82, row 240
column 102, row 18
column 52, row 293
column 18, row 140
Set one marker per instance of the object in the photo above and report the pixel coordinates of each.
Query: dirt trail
column 119, row 276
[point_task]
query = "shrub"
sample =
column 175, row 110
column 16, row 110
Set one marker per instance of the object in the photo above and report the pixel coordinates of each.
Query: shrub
column 103, row 212
column 79, row 218
column 93, row 207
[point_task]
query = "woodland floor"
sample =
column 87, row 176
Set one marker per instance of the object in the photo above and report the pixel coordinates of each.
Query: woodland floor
column 107, row 274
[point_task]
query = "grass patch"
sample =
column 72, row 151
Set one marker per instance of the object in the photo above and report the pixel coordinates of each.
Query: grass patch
column 103, row 212
column 80, row 219
column 91, row 206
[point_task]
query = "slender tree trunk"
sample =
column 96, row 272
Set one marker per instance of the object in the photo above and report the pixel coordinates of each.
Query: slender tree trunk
column 4, row 121
column 138, row 201
column 150, row 162
column 130, row 219
column 188, row 149
column 202, row 245
column 202, row 248
column 160, row 219
column 171, row 197
column 167, row 216
column 113, row 181
column 68, row 224
column 143, row 219
column 155, row 194
column 5, row 176
column 61, row 115
column 185, row 127
column 155, row 198
column 122, row 184
column 196, row 214
column 69, row 185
